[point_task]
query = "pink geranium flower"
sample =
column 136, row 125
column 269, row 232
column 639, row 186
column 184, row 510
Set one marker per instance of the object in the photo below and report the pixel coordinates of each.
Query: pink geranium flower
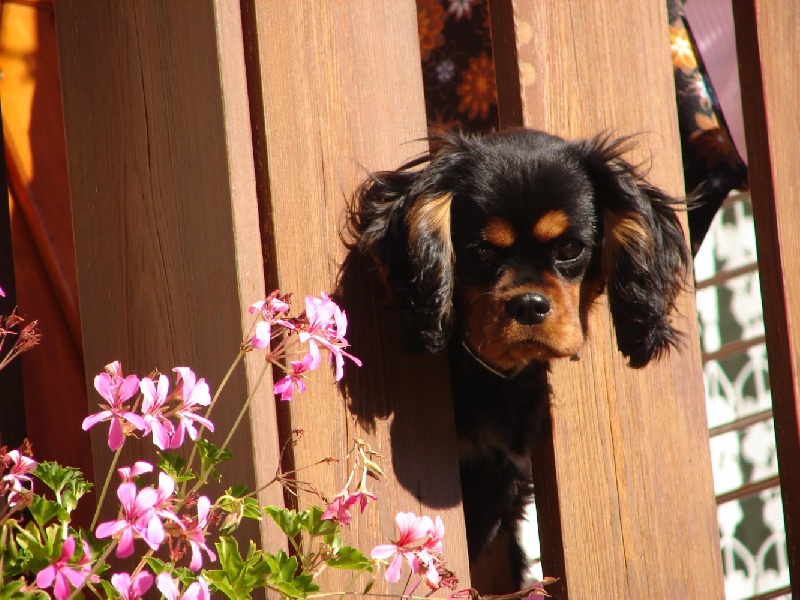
column 435, row 536
column 165, row 503
column 139, row 468
column 154, row 400
column 61, row 573
column 270, row 309
column 339, row 509
column 196, row 532
column 362, row 496
column 327, row 325
column 19, row 467
column 285, row 387
column 413, row 530
column 262, row 335
column 116, row 391
column 132, row 589
column 138, row 518
column 169, row 587
column 194, row 394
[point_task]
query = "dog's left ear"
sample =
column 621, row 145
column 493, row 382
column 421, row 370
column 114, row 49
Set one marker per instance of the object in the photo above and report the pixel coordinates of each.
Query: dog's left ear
column 645, row 257
column 401, row 219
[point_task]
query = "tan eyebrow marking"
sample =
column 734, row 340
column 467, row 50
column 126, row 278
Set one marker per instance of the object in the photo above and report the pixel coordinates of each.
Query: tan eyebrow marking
column 499, row 232
column 551, row 225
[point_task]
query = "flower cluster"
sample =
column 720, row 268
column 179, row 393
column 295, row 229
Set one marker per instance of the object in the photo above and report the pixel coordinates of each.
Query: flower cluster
column 419, row 544
column 339, row 509
column 158, row 406
column 150, row 514
column 321, row 326
column 170, row 521
column 16, row 467
column 160, row 515
column 420, row 539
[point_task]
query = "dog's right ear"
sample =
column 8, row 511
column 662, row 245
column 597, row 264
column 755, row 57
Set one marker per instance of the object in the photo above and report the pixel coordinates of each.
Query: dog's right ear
column 645, row 257
column 401, row 219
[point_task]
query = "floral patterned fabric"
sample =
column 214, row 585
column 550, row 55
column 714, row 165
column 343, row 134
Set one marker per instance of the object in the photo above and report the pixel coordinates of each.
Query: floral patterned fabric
column 460, row 91
column 711, row 163
column 457, row 66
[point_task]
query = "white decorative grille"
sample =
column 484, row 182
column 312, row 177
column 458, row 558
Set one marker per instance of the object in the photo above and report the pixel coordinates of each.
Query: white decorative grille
column 739, row 406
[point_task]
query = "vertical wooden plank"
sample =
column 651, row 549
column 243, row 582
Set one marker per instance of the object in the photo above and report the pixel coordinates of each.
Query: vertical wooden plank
column 164, row 203
column 768, row 46
column 624, row 492
column 341, row 93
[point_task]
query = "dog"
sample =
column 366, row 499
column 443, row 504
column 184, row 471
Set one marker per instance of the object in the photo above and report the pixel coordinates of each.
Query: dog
column 495, row 248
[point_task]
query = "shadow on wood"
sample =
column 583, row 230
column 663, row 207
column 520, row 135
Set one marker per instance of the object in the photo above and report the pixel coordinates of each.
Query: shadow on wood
column 382, row 389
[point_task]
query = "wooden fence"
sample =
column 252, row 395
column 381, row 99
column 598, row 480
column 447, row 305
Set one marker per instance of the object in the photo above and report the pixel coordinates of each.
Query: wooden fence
column 211, row 148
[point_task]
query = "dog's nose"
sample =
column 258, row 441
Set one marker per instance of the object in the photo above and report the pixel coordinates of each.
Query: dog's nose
column 529, row 309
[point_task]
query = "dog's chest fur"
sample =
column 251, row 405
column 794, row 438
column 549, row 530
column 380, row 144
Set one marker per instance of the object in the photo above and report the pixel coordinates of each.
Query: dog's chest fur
column 498, row 421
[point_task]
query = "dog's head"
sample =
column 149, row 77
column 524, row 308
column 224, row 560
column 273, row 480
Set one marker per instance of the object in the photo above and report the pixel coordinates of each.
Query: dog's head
column 507, row 240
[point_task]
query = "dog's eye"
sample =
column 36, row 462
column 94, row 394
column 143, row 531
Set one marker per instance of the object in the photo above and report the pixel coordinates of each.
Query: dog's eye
column 569, row 250
column 484, row 252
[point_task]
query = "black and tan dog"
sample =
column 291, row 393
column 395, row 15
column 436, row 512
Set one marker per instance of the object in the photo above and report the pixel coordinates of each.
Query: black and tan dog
column 495, row 249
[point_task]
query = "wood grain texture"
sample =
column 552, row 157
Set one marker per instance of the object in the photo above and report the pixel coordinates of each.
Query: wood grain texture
column 340, row 87
column 625, row 491
column 164, row 203
column 768, row 47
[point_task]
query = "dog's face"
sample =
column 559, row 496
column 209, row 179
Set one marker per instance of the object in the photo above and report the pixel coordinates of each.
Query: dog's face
column 525, row 233
column 506, row 241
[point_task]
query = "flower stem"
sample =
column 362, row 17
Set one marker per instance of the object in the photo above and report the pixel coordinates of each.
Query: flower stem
column 201, row 480
column 213, row 402
column 105, row 487
column 222, row 384
column 245, row 406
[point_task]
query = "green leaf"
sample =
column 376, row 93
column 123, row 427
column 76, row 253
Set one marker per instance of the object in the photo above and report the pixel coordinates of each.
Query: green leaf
column 305, row 583
column 15, row 590
column 298, row 587
column 285, row 578
column 110, row 590
column 174, row 465
column 239, row 504
column 238, row 577
column 288, row 520
column 37, row 551
column 334, row 542
column 350, row 559
column 237, row 491
column 316, row 526
column 12, row 590
column 287, row 588
column 288, row 569
column 66, row 482
column 219, row 579
column 211, row 456
column 156, row 565
column 249, row 503
column 44, row 511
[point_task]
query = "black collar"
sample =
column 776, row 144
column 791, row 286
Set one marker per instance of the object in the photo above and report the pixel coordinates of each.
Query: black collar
column 508, row 375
